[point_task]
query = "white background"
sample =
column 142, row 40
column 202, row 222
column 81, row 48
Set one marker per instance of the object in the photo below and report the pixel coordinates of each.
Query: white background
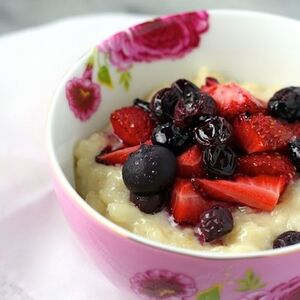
column 40, row 258
column 16, row 14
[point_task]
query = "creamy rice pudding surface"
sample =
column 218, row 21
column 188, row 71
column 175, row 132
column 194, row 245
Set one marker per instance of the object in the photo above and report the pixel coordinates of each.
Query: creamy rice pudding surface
column 103, row 188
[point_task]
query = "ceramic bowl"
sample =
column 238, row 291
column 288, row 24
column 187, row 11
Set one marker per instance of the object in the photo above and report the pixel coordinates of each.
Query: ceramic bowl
column 246, row 46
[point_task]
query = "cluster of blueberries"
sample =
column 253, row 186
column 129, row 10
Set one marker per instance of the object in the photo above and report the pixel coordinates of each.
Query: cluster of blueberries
column 184, row 115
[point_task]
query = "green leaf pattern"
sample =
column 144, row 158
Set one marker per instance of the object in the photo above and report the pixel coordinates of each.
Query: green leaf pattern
column 100, row 62
column 213, row 293
column 104, row 77
column 250, row 282
column 125, row 79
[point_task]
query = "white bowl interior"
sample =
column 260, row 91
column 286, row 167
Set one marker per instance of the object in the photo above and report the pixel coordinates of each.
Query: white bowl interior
column 245, row 46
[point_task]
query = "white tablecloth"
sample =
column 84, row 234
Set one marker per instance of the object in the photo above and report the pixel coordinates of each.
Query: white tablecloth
column 40, row 258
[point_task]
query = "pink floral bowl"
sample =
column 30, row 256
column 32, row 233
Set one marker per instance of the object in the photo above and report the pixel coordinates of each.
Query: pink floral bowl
column 244, row 45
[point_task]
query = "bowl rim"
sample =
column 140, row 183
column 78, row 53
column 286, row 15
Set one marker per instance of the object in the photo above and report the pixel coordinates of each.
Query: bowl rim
column 59, row 175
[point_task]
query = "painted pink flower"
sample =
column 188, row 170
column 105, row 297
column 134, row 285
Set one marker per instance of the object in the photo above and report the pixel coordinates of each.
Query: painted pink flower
column 260, row 295
column 83, row 95
column 285, row 291
column 163, row 284
column 167, row 37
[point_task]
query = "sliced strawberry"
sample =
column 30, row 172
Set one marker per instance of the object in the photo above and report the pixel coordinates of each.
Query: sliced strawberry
column 232, row 100
column 210, row 81
column 117, row 157
column 132, row 124
column 258, row 133
column 265, row 164
column 114, row 143
column 187, row 205
column 261, row 192
column 189, row 163
column 295, row 127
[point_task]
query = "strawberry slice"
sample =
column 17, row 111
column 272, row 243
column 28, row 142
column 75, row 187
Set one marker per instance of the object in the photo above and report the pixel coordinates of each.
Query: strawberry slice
column 132, row 125
column 209, row 81
column 189, row 163
column 295, row 127
column 259, row 133
column 117, row 157
column 114, row 143
column 265, row 164
column 187, row 205
column 261, row 192
column 232, row 100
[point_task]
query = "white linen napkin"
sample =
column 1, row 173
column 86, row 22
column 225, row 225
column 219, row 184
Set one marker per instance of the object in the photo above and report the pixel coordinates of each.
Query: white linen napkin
column 40, row 258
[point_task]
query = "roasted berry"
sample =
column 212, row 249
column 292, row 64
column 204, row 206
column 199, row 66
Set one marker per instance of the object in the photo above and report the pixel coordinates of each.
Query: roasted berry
column 201, row 119
column 232, row 100
column 132, row 125
column 285, row 104
column 287, row 238
column 189, row 163
column 261, row 133
column 171, row 137
column 214, row 223
column 149, row 170
column 149, row 204
column 192, row 105
column 186, row 204
column 213, row 131
column 209, row 81
column 163, row 104
column 219, row 161
column 294, row 149
column 261, row 192
column 142, row 104
column 117, row 157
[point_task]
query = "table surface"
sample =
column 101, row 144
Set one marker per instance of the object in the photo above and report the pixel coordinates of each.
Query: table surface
column 40, row 258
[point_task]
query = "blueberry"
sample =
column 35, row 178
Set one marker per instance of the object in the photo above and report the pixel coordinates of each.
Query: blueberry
column 171, row 137
column 285, row 104
column 142, row 104
column 149, row 204
column 219, row 161
column 163, row 104
column 201, row 119
column 287, row 238
column 213, row 131
column 214, row 223
column 186, row 88
column 149, row 170
column 294, row 149
column 193, row 104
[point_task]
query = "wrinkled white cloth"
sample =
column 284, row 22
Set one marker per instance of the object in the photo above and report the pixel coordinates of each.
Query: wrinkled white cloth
column 40, row 257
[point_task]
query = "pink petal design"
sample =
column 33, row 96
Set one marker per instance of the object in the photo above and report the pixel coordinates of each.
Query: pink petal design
column 83, row 95
column 169, row 37
column 289, row 290
column 260, row 295
column 163, row 284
